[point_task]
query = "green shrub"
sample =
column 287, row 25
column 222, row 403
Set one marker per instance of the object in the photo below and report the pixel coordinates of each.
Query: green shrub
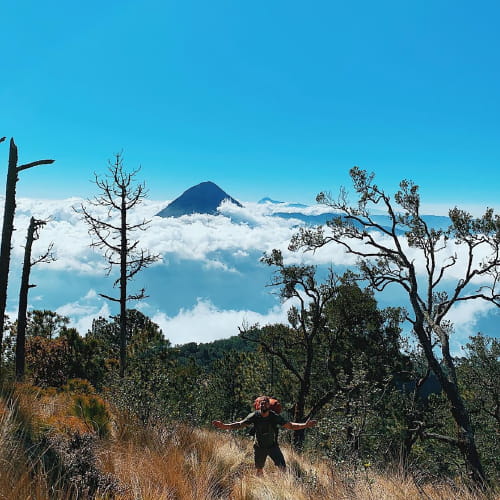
column 79, row 386
column 93, row 411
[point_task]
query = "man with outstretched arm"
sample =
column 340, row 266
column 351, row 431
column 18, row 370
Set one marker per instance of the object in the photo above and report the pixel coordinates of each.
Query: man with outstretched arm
column 266, row 424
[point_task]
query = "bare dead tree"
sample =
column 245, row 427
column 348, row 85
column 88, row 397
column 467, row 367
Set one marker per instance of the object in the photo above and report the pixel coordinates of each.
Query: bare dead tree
column 32, row 235
column 385, row 257
column 119, row 194
column 8, row 225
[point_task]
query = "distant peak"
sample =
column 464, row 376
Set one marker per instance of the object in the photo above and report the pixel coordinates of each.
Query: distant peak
column 203, row 198
column 265, row 200
column 269, row 200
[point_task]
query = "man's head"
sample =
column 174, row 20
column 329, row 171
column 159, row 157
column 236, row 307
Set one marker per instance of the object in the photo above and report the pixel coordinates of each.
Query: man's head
column 264, row 404
column 272, row 404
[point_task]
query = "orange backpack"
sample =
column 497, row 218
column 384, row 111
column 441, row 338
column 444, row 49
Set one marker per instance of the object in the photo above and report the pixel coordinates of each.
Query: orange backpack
column 274, row 404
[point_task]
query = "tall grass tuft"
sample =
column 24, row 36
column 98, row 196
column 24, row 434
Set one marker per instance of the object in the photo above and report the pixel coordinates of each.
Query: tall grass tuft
column 22, row 477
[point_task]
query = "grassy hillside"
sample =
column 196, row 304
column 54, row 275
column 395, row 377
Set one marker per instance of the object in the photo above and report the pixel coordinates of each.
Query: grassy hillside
column 71, row 444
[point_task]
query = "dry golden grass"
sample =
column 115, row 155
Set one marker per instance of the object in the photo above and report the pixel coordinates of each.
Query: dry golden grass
column 178, row 463
column 379, row 487
column 184, row 463
column 40, row 410
column 21, row 478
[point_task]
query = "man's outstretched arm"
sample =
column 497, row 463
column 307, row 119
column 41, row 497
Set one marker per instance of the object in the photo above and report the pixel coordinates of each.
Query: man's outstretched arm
column 230, row 427
column 296, row 426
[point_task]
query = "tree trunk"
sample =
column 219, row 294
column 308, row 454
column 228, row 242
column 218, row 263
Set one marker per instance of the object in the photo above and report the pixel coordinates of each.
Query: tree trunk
column 7, row 229
column 298, row 416
column 123, row 286
column 466, row 440
column 305, row 388
column 23, row 303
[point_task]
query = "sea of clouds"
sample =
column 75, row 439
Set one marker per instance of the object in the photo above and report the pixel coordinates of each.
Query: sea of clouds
column 209, row 280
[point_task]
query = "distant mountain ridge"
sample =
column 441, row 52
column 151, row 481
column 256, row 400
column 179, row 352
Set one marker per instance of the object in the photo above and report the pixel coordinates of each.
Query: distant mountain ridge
column 433, row 221
column 265, row 200
column 204, row 198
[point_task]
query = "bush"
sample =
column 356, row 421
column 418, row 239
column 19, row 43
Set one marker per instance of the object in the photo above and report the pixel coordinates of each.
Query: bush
column 93, row 411
column 78, row 464
column 47, row 361
column 79, row 386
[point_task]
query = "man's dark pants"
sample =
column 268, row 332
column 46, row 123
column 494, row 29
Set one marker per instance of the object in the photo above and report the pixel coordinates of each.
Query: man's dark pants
column 260, row 455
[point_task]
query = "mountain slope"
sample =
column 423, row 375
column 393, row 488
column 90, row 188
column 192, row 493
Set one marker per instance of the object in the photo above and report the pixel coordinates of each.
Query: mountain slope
column 204, row 198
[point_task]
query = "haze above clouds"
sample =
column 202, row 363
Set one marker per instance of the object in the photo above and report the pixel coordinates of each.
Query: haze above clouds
column 210, row 280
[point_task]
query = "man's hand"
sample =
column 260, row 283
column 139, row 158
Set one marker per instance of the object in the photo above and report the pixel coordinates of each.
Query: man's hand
column 218, row 424
column 296, row 426
column 311, row 423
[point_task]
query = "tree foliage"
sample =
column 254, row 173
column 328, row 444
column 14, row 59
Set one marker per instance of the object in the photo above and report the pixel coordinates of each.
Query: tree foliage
column 479, row 375
column 336, row 339
column 45, row 323
column 407, row 252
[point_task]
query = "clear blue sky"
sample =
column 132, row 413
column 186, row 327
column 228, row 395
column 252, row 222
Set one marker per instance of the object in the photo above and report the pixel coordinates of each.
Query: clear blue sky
column 276, row 98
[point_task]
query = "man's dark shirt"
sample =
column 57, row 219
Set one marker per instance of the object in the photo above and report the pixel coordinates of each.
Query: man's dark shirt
column 266, row 428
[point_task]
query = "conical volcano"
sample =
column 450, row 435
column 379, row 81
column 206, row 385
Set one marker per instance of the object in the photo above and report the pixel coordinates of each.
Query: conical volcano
column 203, row 198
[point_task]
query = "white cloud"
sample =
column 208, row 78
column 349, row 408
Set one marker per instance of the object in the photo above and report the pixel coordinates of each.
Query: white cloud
column 84, row 323
column 205, row 322
column 465, row 317
column 83, row 311
column 238, row 231
column 75, row 309
column 255, row 212
column 241, row 253
column 91, row 294
column 218, row 265
column 225, row 243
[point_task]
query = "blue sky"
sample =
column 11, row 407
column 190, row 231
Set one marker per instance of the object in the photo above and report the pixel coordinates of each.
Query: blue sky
column 272, row 99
